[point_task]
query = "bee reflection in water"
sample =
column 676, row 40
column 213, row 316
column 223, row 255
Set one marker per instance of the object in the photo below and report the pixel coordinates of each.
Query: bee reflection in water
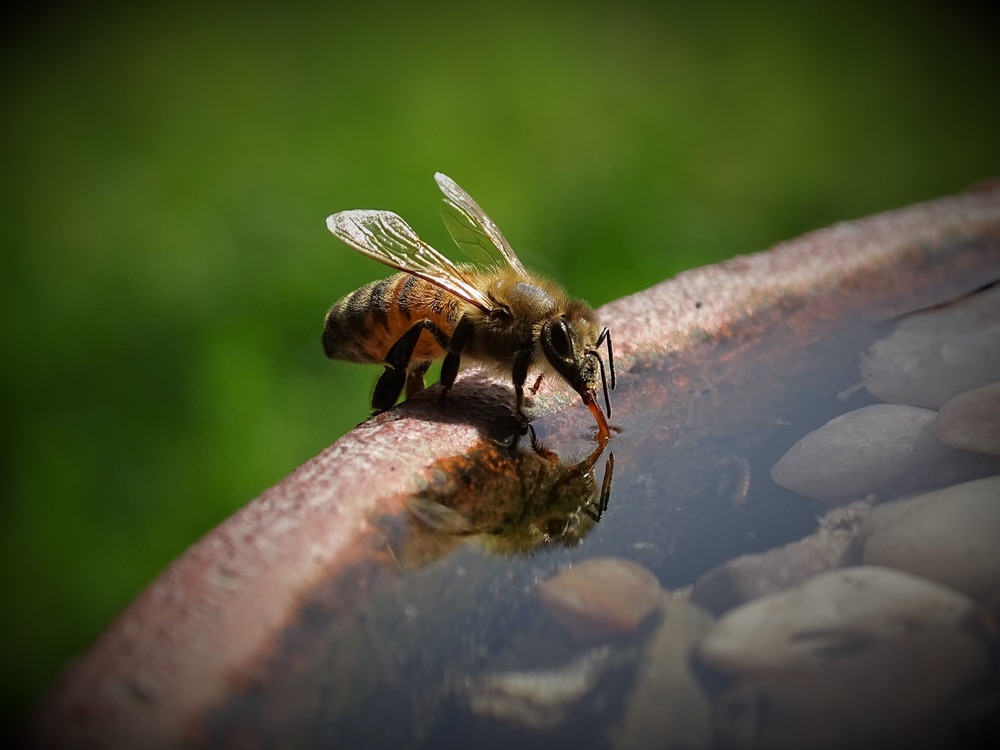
column 510, row 502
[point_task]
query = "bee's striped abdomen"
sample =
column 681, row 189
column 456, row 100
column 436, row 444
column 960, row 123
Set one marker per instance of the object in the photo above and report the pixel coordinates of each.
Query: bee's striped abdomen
column 363, row 326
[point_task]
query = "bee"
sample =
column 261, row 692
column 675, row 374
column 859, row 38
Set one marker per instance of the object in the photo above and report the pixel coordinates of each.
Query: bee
column 493, row 311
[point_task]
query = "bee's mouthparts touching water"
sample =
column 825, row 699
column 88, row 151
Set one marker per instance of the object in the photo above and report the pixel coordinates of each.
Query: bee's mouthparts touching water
column 603, row 431
column 492, row 311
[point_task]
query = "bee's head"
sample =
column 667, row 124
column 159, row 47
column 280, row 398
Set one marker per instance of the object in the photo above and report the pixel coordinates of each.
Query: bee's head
column 571, row 343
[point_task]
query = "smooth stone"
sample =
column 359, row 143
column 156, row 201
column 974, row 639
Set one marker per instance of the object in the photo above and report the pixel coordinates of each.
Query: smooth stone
column 842, row 614
column 667, row 706
column 876, row 450
column 934, row 355
column 747, row 577
column 857, row 657
column 600, row 598
column 900, row 697
column 539, row 699
column 971, row 420
column 951, row 536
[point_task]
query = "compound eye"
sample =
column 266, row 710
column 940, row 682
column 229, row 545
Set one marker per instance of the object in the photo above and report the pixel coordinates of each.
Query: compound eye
column 559, row 336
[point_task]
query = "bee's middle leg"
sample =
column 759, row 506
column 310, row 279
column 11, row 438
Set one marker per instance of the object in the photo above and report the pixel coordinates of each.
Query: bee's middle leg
column 449, row 368
column 397, row 362
column 415, row 378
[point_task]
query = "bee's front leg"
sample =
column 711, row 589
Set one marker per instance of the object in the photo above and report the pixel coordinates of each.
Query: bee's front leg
column 519, row 375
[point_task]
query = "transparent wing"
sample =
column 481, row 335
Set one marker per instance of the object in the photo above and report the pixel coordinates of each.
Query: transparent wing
column 384, row 236
column 473, row 231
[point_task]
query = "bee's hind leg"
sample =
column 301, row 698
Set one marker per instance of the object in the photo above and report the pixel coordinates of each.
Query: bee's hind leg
column 387, row 389
column 397, row 365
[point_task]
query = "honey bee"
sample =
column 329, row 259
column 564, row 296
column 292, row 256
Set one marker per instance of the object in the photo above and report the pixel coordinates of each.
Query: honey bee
column 493, row 312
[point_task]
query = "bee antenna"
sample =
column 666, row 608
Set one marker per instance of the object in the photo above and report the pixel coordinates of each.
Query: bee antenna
column 606, row 336
column 604, row 383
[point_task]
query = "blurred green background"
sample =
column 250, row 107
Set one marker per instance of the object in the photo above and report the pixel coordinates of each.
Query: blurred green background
column 167, row 172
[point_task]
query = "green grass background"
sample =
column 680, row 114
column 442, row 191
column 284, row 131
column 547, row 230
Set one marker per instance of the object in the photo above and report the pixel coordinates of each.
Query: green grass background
column 165, row 265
